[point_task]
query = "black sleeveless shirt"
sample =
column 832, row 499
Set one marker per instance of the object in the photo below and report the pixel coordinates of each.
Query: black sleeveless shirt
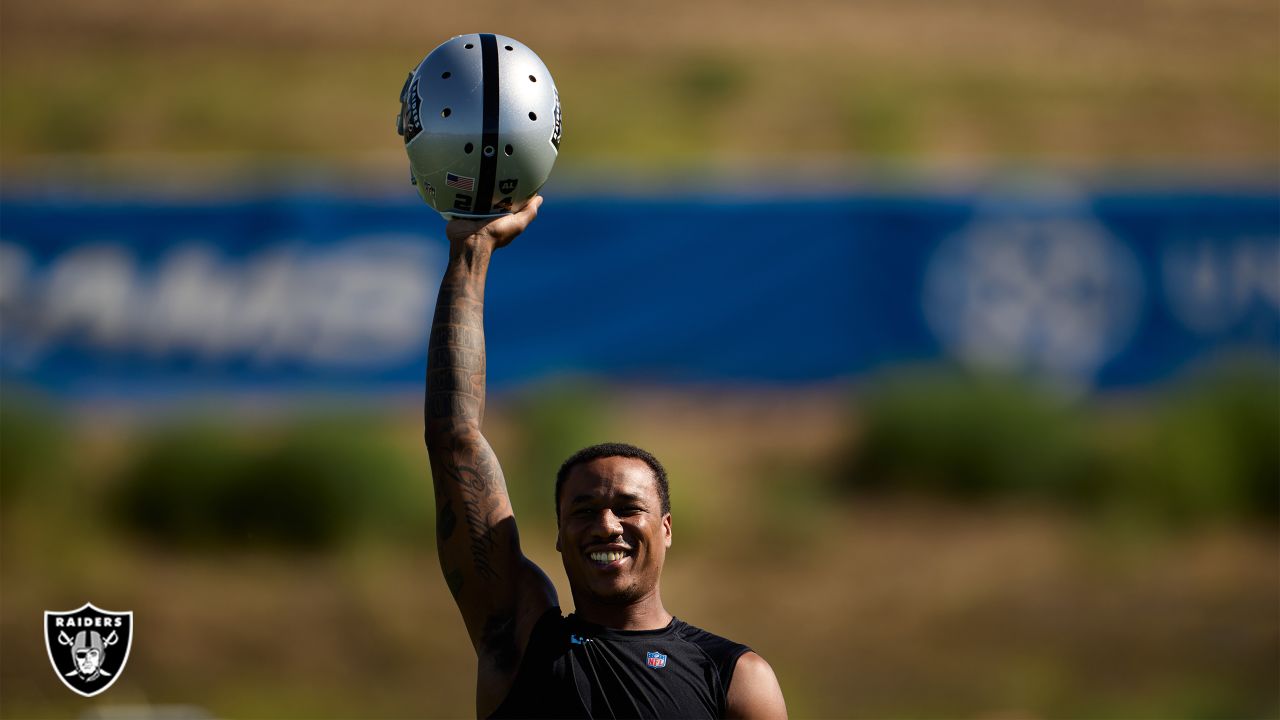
column 574, row 669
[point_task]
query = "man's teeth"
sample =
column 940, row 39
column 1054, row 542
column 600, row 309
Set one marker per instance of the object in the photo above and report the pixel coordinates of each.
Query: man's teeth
column 608, row 557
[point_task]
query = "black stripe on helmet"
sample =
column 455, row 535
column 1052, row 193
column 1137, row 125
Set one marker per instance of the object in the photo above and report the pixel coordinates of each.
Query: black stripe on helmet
column 489, row 141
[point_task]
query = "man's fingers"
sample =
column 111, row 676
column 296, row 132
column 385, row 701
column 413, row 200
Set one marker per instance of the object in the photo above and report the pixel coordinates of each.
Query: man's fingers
column 532, row 206
column 527, row 213
column 505, row 229
column 502, row 229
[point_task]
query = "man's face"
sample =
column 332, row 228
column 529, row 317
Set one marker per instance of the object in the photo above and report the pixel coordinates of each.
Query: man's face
column 613, row 534
column 87, row 660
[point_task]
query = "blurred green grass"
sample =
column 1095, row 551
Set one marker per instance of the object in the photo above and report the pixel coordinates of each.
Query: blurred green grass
column 311, row 485
column 1206, row 449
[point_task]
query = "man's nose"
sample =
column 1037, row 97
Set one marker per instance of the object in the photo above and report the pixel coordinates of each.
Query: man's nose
column 606, row 525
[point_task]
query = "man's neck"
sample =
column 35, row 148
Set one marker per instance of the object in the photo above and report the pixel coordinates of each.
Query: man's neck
column 647, row 613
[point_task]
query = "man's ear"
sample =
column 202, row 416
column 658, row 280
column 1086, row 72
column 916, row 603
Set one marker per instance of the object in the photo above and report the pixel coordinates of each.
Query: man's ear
column 666, row 529
column 558, row 541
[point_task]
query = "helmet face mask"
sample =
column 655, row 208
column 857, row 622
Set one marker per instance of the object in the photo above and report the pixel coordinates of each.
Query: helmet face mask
column 480, row 118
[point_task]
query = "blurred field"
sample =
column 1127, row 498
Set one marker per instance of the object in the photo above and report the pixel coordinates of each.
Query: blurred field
column 657, row 87
column 913, row 603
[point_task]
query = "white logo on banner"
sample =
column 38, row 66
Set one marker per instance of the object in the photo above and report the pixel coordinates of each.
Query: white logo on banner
column 1054, row 296
column 362, row 303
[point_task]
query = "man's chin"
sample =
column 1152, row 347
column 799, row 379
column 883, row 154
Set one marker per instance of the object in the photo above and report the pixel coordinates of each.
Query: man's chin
column 617, row 593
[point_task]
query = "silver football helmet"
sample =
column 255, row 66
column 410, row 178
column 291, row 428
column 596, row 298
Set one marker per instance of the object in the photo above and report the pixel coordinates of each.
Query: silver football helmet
column 480, row 117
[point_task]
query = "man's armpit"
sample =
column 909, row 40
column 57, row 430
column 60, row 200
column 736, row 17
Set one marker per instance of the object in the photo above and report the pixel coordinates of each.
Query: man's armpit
column 498, row 642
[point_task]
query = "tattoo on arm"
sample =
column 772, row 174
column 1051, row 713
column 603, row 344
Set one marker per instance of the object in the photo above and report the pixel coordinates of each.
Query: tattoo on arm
column 455, row 358
column 454, row 579
column 446, row 521
column 480, row 487
column 499, row 635
column 482, row 539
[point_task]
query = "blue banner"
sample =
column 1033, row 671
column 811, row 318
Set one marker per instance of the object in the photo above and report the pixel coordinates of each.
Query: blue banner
column 329, row 292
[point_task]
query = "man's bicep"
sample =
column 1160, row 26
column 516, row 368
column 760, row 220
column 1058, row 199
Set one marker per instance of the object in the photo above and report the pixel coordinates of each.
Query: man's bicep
column 476, row 535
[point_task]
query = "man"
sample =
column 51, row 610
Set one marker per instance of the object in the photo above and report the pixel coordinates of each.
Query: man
column 621, row 654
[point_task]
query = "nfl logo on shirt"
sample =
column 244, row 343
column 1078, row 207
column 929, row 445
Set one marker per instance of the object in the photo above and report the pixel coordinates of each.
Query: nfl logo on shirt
column 656, row 660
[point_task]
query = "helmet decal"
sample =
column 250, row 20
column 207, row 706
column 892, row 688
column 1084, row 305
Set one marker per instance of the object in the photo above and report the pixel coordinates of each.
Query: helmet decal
column 555, row 131
column 410, row 124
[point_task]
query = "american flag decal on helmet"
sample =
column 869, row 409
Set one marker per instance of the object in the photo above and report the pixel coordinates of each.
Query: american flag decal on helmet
column 459, row 182
column 655, row 660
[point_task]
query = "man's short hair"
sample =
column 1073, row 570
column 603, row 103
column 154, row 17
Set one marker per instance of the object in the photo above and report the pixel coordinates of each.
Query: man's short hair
column 607, row 450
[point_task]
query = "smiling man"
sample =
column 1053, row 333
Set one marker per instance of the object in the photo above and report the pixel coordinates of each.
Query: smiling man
column 621, row 653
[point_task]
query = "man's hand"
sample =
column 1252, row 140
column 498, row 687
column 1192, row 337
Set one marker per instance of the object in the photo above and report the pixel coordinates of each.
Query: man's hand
column 495, row 232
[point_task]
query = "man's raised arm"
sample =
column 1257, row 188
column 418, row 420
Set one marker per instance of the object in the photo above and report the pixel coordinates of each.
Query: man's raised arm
column 500, row 593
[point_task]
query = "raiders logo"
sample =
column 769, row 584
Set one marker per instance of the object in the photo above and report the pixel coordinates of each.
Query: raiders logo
column 555, row 131
column 88, row 647
column 409, row 124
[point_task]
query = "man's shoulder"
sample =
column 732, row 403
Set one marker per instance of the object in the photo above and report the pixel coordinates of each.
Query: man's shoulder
column 721, row 650
column 695, row 634
column 549, row 628
column 754, row 691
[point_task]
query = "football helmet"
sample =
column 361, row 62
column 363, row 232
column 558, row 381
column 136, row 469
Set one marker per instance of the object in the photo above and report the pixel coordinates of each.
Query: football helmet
column 480, row 118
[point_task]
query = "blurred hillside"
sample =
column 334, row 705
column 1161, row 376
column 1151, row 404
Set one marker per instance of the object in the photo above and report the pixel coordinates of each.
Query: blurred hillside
column 321, row 597
column 667, row 85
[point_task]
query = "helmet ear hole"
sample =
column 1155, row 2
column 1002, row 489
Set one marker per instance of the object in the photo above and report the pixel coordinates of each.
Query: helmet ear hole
column 445, row 75
column 446, row 112
column 468, row 148
column 533, row 116
column 510, row 150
